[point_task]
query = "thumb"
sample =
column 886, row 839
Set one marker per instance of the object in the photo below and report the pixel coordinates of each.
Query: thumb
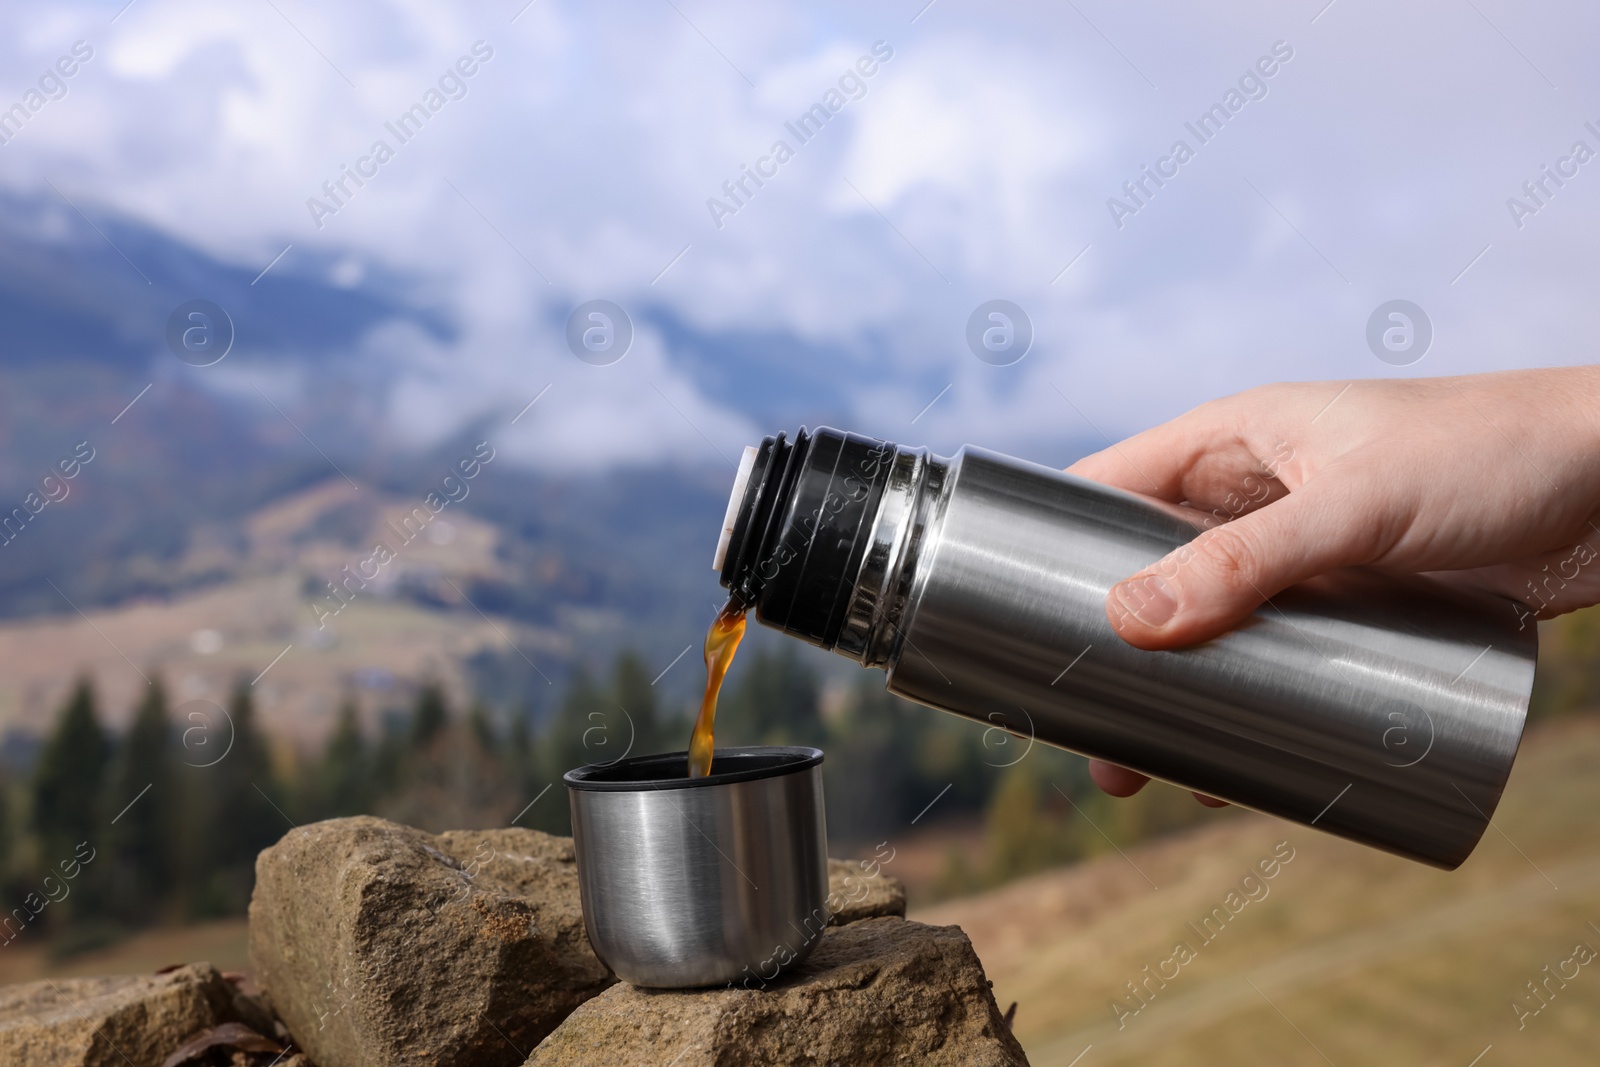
column 1204, row 588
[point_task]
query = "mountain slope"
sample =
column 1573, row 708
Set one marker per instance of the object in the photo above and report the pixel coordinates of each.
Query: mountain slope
column 1351, row 956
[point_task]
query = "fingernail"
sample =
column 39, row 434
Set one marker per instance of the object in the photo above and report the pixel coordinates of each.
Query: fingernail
column 1148, row 599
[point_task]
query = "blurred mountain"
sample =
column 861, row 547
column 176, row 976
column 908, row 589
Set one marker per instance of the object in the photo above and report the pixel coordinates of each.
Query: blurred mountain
column 209, row 491
column 97, row 288
column 84, row 305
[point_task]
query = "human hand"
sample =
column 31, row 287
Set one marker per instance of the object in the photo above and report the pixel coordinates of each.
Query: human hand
column 1490, row 481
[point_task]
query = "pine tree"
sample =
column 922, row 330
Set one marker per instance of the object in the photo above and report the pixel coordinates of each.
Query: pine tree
column 530, row 776
column 390, row 755
column 429, row 716
column 68, row 787
column 1028, row 828
column 454, row 771
column 482, row 729
column 142, row 842
column 5, row 837
column 581, row 734
column 636, row 697
column 344, row 776
column 520, row 750
column 587, row 729
column 775, row 700
column 238, row 814
column 869, row 778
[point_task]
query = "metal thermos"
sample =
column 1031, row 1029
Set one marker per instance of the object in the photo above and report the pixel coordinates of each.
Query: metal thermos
column 1386, row 710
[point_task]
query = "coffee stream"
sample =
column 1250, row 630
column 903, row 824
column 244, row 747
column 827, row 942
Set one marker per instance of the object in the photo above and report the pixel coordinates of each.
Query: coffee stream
column 722, row 640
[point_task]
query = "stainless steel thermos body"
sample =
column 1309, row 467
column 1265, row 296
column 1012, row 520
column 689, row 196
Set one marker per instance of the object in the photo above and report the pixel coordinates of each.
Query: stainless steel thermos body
column 1384, row 710
column 702, row 881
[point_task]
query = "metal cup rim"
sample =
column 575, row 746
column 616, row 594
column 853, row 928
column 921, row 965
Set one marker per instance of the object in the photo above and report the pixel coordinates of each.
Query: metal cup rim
column 745, row 764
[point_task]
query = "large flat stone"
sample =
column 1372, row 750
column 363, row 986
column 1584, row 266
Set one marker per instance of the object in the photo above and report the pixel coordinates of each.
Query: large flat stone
column 875, row 992
column 132, row 1021
column 385, row 946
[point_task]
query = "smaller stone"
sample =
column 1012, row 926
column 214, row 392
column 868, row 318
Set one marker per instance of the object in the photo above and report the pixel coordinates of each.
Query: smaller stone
column 860, row 890
column 876, row 992
column 131, row 1021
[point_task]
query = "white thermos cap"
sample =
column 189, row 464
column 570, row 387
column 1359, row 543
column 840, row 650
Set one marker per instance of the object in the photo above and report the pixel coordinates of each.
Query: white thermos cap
column 747, row 463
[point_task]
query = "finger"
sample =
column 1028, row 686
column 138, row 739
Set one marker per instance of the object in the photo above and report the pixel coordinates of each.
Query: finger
column 1213, row 583
column 1117, row 781
column 1201, row 458
column 1157, row 461
column 1210, row 802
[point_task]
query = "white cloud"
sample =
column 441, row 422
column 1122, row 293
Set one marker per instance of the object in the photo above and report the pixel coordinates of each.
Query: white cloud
column 589, row 144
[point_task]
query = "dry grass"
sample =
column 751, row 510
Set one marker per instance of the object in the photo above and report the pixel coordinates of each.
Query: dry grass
column 1354, row 957
column 221, row 943
column 264, row 610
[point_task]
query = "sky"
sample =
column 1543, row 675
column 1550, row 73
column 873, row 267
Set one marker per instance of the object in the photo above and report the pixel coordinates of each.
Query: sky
column 1358, row 153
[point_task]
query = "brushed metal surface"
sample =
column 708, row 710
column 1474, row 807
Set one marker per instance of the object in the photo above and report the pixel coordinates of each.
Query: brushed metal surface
column 1384, row 710
column 716, row 882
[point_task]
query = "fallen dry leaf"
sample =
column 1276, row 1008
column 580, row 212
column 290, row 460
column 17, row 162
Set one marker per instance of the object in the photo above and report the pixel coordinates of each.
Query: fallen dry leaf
column 235, row 1036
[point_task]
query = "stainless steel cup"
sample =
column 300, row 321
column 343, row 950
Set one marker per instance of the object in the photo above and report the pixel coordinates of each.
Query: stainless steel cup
column 702, row 881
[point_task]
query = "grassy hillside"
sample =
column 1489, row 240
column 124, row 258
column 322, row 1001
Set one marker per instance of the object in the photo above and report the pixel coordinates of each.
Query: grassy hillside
column 203, row 640
column 1347, row 956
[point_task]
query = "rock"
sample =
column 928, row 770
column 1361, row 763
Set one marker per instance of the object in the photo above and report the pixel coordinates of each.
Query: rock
column 384, row 946
column 877, row 991
column 855, row 894
column 133, row 1021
